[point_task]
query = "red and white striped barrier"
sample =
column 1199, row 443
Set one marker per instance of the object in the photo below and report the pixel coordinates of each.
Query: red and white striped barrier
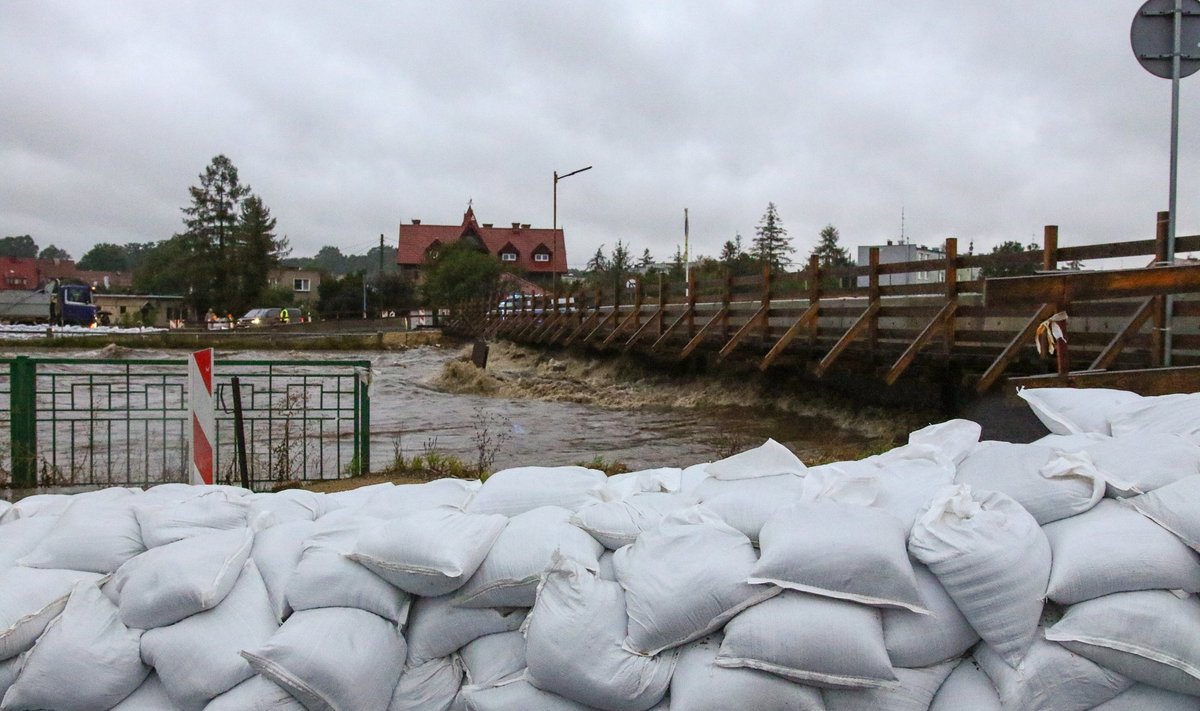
column 200, row 404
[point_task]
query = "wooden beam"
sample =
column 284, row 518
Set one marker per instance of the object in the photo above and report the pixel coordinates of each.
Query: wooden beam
column 1026, row 334
column 612, row 316
column 1117, row 344
column 938, row 323
column 745, row 329
column 1067, row 287
column 583, row 325
column 656, row 317
column 847, row 338
column 719, row 317
column 684, row 317
column 809, row 315
column 633, row 315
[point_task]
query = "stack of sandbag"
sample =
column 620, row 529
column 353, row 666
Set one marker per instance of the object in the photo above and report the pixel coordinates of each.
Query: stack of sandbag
column 947, row 573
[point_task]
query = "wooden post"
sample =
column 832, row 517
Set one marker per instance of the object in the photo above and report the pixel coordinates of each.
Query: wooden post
column 1158, row 341
column 726, row 299
column 873, row 298
column 691, row 306
column 638, row 295
column 1050, row 248
column 951, row 272
column 766, row 302
column 662, row 303
column 814, row 295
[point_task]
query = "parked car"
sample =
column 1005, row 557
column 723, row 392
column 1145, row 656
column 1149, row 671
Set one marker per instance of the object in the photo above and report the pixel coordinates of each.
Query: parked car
column 259, row 318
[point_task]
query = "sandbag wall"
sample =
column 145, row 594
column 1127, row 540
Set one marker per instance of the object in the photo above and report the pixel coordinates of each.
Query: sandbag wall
column 946, row 574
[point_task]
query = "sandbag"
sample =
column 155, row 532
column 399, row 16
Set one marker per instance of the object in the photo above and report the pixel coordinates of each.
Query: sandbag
column 428, row 553
column 437, row 627
column 574, row 635
column 493, row 658
column 645, row 481
column 355, row 499
column 1113, row 548
column 255, row 694
column 769, row 459
column 685, row 579
column 518, row 696
column 21, row 536
column 29, row 599
column 1175, row 507
column 333, row 659
column 1144, row 461
column 901, row 485
column 838, row 550
column 287, row 505
column 810, row 639
column 197, row 657
column 1151, row 636
column 408, row 498
column 993, row 560
column 949, row 442
column 746, row 504
column 37, row 505
column 914, row 691
column 515, row 491
column 1143, row 697
column 1050, row 485
column 216, row 510
column 914, row 640
column 166, row 584
column 698, row 684
column 1067, row 411
column 619, row 523
column 85, row 660
column 1177, row 413
column 8, row 673
column 967, row 687
column 325, row 577
column 509, row 575
column 1050, row 678
column 150, row 696
column 95, row 534
column 433, row 686
column 277, row 552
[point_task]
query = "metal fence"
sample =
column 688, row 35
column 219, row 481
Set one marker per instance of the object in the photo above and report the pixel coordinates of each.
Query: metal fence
column 76, row 422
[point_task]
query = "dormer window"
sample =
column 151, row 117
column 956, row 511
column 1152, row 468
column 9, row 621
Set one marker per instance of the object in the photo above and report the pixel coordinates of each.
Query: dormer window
column 508, row 256
column 541, row 257
column 433, row 250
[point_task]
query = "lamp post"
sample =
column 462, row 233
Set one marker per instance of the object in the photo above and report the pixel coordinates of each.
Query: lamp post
column 554, row 219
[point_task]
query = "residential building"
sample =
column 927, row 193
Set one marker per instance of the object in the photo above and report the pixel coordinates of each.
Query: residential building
column 892, row 253
column 139, row 309
column 303, row 282
column 28, row 273
column 538, row 254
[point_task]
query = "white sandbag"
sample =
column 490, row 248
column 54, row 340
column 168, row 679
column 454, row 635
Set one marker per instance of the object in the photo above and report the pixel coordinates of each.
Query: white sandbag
column 1143, row 697
column 356, row 498
column 746, row 504
column 438, row 628
column 94, row 533
column 619, row 523
column 691, row 477
column 518, row 696
column 948, row 441
column 1049, row 484
column 605, row 570
column 901, row 485
column 1067, row 411
column 1151, row 636
column 212, row 511
column 37, row 505
column 325, row 577
column 509, row 575
column 255, row 694
column 8, row 673
column 993, row 560
column 29, row 599
column 914, row 640
column 1070, row 442
column 663, row 480
column 913, row 692
column 197, row 657
column 1050, row 678
column 166, row 584
column 150, row 696
column 287, row 505
column 433, row 686
column 769, row 459
column 85, row 660
column 810, row 639
column 515, row 491
column 21, row 536
column 698, row 684
column 333, row 659
column 431, row 552
column 967, row 687
column 574, row 635
column 685, row 579
column 1175, row 507
column 277, row 551
column 838, row 550
column 1177, row 413
column 1144, row 461
column 4, row 507
column 1113, row 548
column 408, row 498
column 493, row 657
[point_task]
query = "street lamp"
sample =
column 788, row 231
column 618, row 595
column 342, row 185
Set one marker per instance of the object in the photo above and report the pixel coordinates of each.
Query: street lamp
column 557, row 178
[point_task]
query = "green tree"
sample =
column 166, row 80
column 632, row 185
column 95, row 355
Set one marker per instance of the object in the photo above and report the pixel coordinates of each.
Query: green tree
column 105, row 257
column 771, row 243
column 53, row 252
column 393, row 292
column 18, row 246
column 341, row 297
column 257, row 250
column 598, row 264
column 332, row 260
column 645, row 261
column 162, row 269
column 459, row 276
column 829, row 252
column 1003, row 270
column 212, row 222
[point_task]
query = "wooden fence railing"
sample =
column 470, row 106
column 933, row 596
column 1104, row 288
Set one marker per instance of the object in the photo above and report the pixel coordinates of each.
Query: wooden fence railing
column 889, row 315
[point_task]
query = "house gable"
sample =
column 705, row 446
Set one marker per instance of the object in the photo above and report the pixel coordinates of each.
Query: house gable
column 536, row 250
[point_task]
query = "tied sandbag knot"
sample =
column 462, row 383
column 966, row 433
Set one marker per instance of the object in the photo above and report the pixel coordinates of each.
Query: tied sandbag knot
column 1052, row 332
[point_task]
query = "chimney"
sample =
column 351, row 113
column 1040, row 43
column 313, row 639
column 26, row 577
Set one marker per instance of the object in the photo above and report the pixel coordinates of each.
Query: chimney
column 416, row 222
column 524, row 227
column 889, row 243
column 487, row 225
column 516, row 225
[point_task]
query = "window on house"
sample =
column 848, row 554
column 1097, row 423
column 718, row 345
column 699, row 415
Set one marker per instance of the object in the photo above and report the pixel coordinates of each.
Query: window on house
column 301, row 285
column 541, row 257
column 508, row 256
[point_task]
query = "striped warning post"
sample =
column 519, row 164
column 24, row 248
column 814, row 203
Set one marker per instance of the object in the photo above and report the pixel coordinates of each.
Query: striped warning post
column 200, row 404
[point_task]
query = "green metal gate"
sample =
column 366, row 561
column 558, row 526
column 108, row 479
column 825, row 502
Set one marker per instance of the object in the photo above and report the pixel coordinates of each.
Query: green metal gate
column 86, row 422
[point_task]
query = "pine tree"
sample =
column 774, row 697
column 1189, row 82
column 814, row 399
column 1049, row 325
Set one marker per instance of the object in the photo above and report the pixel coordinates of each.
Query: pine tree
column 598, row 263
column 211, row 222
column 828, row 252
column 646, row 261
column 771, row 243
column 258, row 250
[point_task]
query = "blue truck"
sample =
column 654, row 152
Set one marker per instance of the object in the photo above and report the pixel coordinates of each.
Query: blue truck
column 53, row 303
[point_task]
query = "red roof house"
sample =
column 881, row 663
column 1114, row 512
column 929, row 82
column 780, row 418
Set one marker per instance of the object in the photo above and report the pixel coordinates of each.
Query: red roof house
column 540, row 253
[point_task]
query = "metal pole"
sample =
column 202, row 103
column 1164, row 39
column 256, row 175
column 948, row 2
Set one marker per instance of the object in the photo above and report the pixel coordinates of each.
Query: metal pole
column 239, row 431
column 1176, row 50
column 687, row 265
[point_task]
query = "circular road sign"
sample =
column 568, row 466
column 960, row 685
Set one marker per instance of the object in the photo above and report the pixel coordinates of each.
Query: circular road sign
column 1153, row 37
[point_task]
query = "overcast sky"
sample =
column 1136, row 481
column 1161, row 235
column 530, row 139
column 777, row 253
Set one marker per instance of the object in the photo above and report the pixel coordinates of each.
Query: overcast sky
column 982, row 121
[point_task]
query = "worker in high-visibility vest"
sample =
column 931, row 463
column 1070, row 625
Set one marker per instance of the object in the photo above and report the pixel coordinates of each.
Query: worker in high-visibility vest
column 283, row 316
